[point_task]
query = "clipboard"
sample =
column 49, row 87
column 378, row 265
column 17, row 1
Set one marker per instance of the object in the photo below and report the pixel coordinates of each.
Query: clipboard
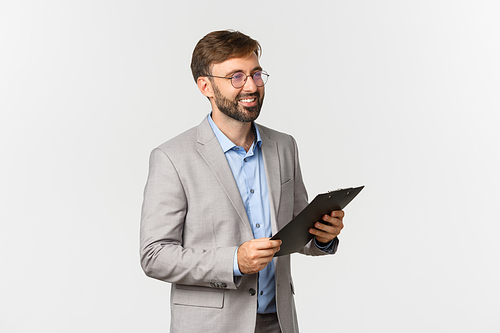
column 295, row 235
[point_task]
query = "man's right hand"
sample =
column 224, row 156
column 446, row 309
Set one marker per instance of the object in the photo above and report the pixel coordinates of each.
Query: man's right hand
column 254, row 255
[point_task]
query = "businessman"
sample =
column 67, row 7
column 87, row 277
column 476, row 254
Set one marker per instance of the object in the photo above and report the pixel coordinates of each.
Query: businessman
column 216, row 193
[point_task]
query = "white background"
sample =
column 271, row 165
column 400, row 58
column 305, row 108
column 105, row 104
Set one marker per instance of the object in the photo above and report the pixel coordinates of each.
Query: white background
column 400, row 96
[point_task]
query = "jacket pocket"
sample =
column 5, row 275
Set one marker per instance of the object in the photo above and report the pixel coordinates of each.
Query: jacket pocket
column 287, row 183
column 198, row 296
column 287, row 188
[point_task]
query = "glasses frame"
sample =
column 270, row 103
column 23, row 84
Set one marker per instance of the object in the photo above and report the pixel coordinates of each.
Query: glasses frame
column 246, row 78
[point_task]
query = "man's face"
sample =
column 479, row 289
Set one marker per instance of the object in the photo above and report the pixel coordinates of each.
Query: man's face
column 242, row 104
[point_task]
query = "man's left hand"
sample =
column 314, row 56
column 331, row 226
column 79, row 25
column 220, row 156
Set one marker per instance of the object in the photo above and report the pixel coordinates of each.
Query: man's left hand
column 324, row 233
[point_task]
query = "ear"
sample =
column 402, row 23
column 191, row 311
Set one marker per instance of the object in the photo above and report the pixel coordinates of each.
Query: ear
column 205, row 86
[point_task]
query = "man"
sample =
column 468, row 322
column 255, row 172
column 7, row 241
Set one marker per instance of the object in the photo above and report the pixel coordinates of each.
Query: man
column 214, row 196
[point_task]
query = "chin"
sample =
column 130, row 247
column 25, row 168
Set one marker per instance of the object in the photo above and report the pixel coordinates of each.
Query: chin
column 250, row 115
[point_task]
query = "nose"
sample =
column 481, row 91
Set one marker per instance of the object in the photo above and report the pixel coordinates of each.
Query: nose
column 250, row 84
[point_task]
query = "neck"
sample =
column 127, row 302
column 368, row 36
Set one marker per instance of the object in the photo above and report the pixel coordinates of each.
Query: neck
column 240, row 133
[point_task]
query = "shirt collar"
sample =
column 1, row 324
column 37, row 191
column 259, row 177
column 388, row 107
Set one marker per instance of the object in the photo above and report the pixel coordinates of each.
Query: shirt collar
column 224, row 141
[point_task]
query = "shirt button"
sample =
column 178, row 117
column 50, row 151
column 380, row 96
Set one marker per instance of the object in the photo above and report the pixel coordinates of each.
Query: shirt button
column 245, row 159
column 252, row 191
column 257, row 225
column 262, row 293
column 251, row 291
column 236, row 148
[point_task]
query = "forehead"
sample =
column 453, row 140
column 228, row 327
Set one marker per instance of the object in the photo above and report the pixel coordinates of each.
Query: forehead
column 244, row 64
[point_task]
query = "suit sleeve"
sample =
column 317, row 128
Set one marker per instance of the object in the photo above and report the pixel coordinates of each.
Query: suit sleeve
column 163, row 255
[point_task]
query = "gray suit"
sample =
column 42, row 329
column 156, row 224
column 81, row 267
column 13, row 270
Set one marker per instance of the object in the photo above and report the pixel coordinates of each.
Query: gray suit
column 193, row 219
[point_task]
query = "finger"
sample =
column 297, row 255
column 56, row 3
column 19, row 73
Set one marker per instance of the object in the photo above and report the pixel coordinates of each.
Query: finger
column 274, row 241
column 264, row 257
column 321, row 236
column 324, row 227
column 264, row 253
column 334, row 221
column 255, row 253
column 330, row 232
column 267, row 249
column 334, row 215
column 323, row 230
column 337, row 213
column 266, row 243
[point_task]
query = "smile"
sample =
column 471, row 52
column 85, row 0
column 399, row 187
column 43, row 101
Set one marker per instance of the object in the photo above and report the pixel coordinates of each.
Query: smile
column 248, row 100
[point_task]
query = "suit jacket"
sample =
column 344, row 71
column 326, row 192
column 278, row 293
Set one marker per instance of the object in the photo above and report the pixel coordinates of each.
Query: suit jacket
column 193, row 219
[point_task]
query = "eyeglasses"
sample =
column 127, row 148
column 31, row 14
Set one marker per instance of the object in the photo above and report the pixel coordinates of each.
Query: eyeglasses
column 239, row 79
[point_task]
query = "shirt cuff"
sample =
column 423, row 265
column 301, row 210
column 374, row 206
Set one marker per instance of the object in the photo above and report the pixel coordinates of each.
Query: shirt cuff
column 236, row 269
column 330, row 247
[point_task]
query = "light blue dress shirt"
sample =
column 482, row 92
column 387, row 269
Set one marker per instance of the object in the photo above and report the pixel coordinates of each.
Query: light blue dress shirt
column 250, row 176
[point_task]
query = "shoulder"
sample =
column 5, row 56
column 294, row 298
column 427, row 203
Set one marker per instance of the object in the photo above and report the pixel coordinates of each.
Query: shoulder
column 188, row 140
column 180, row 142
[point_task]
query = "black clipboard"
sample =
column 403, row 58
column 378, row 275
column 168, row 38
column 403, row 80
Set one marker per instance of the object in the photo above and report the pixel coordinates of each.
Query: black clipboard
column 295, row 235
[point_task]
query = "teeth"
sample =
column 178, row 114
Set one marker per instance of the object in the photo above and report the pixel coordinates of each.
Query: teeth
column 247, row 100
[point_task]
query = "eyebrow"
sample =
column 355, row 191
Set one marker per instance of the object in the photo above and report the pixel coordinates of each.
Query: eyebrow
column 256, row 69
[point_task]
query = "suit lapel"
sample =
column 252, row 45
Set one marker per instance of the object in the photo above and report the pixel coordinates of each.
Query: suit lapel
column 273, row 176
column 211, row 151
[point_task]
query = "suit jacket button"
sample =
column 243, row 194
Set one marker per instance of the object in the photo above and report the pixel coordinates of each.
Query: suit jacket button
column 212, row 284
column 223, row 285
column 251, row 291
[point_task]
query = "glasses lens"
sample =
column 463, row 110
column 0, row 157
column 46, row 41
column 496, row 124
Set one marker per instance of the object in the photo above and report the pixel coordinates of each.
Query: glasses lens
column 260, row 78
column 238, row 79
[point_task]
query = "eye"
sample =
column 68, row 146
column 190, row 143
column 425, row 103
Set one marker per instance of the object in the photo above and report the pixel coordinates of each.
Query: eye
column 257, row 75
column 238, row 76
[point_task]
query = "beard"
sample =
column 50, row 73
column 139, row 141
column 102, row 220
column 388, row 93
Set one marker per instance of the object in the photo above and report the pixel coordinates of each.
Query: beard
column 232, row 109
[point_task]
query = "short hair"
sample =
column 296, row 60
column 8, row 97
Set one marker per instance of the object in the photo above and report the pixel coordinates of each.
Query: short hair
column 219, row 46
